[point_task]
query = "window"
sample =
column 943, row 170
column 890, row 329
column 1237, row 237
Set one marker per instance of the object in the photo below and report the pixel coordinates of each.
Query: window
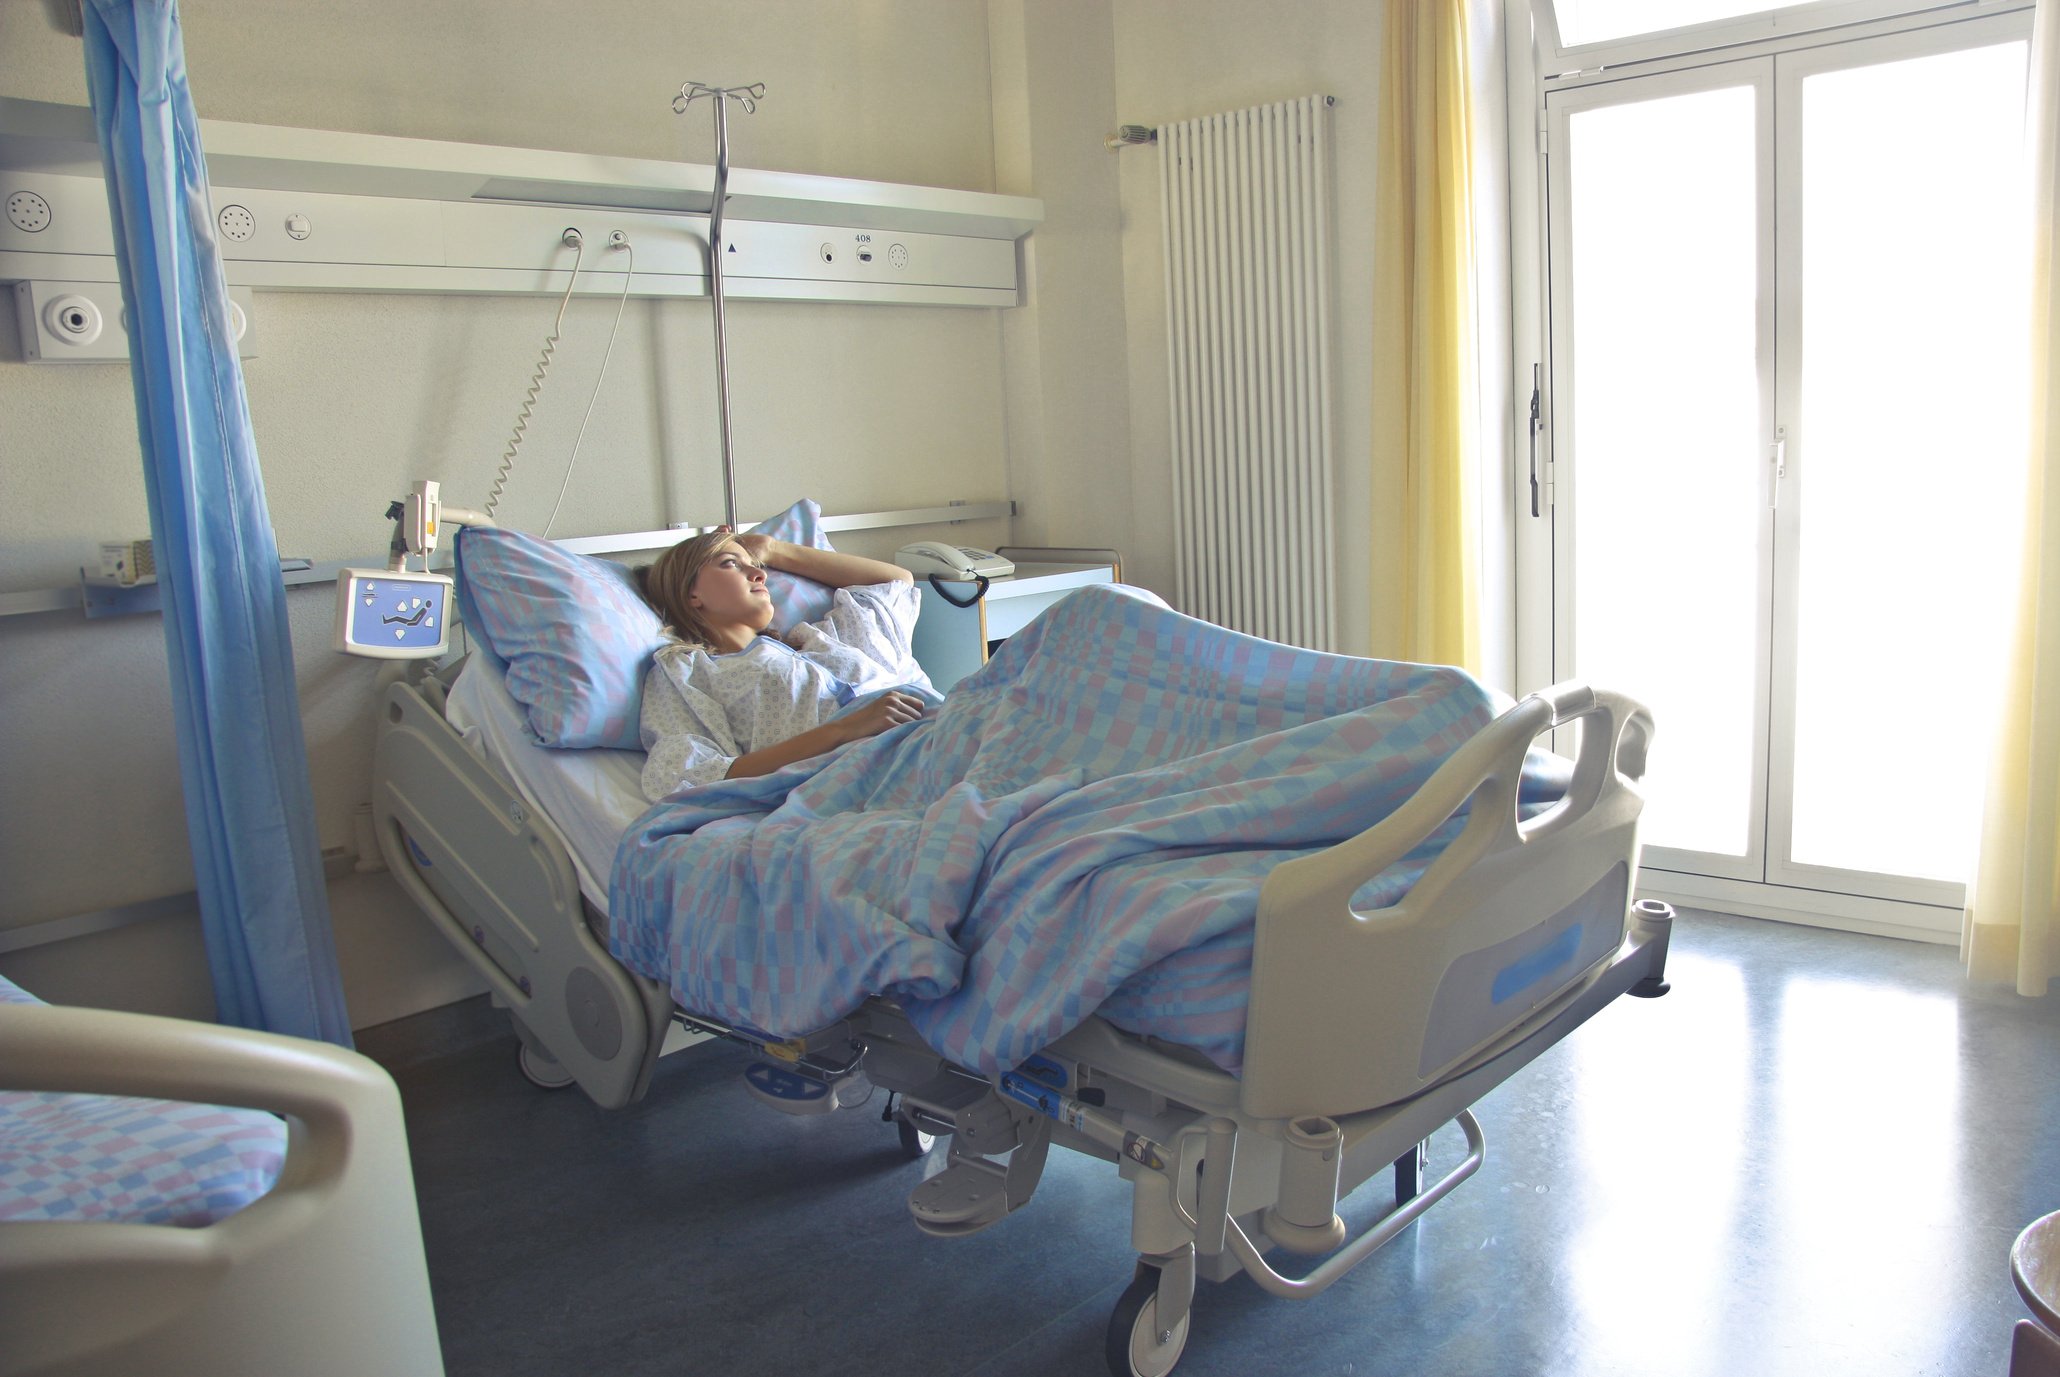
column 1785, row 381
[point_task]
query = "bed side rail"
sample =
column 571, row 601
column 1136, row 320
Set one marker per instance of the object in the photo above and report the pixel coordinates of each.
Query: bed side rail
column 495, row 878
column 1353, row 1010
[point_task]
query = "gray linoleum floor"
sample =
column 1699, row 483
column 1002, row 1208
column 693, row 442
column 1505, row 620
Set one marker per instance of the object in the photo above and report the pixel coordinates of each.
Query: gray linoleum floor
column 1810, row 1158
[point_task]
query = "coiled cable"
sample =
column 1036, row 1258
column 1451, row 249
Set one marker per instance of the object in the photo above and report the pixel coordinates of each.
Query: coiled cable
column 574, row 240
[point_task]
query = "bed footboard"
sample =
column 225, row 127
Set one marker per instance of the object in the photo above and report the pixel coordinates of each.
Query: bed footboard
column 496, row 879
column 1509, row 918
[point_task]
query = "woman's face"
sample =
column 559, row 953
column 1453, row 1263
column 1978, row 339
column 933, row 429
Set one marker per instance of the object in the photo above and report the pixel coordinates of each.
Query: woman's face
column 730, row 591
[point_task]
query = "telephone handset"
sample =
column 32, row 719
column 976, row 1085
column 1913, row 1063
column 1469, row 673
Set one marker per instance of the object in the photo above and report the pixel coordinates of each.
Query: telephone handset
column 953, row 563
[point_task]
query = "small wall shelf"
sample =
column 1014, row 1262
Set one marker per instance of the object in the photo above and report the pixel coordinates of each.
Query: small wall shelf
column 105, row 598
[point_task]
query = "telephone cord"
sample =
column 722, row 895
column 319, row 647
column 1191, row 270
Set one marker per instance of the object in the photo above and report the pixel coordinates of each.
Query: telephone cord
column 577, row 242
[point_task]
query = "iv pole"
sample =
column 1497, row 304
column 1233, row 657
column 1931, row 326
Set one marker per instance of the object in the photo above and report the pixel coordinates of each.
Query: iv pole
column 748, row 97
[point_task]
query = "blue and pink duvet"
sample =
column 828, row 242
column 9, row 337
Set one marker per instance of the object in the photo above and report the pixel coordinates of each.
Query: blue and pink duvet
column 1082, row 827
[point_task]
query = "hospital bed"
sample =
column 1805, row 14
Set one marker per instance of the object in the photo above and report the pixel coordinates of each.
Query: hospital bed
column 1366, row 1032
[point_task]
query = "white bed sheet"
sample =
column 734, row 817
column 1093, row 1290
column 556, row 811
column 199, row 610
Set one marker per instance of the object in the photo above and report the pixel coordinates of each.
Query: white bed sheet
column 591, row 796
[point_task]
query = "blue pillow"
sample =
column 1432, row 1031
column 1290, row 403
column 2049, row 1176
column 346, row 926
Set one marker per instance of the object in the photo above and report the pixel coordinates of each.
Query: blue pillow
column 795, row 599
column 573, row 635
column 571, row 632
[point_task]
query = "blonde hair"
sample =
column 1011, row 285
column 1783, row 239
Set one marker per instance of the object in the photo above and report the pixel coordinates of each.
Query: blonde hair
column 668, row 583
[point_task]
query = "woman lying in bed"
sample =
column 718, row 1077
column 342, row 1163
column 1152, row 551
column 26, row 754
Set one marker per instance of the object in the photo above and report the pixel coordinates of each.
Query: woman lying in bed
column 727, row 700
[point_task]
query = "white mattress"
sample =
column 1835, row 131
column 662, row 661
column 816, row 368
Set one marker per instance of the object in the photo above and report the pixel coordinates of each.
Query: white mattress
column 590, row 796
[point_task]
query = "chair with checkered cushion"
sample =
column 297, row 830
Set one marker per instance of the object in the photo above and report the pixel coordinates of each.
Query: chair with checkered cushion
column 322, row 1272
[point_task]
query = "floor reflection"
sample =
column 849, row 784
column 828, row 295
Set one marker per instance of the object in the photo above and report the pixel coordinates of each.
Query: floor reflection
column 1655, row 1139
column 1765, row 1170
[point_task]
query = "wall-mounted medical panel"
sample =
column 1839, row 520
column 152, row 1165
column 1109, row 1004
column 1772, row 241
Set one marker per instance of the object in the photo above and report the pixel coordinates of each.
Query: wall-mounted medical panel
column 312, row 241
column 318, row 211
column 67, row 322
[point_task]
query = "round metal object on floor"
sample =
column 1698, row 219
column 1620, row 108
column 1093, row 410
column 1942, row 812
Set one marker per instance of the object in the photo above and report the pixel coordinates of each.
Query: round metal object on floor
column 2035, row 1267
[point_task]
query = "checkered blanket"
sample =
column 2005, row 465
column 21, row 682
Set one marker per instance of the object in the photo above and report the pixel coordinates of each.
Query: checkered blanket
column 1083, row 826
column 130, row 1161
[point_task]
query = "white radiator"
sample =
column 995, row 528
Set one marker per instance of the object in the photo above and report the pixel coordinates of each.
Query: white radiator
column 1248, row 290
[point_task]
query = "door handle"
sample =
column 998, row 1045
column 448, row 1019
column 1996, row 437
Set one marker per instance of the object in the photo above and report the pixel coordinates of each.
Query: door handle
column 1778, row 454
column 1536, row 385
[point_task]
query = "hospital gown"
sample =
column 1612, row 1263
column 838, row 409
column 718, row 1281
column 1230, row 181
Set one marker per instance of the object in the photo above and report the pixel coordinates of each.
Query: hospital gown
column 702, row 711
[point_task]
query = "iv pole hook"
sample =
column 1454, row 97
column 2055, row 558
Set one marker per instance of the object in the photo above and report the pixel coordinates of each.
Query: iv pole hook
column 748, row 97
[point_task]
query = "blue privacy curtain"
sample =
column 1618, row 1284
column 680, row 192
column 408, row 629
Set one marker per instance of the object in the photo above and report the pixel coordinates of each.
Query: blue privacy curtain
column 242, row 757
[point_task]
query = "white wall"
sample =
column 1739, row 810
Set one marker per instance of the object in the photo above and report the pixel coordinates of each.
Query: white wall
column 1181, row 59
column 352, row 396
column 1068, row 397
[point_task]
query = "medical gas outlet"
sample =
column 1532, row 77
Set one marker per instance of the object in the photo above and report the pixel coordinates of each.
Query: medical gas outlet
column 864, row 250
column 65, row 321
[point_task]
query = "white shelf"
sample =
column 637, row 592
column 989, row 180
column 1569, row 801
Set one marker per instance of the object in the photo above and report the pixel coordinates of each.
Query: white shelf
column 102, row 597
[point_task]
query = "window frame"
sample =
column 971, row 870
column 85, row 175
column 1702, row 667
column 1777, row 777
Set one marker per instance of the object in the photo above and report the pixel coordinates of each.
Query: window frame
column 1534, row 64
column 1557, row 61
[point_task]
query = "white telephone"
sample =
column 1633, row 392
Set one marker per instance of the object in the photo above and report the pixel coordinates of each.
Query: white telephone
column 956, row 563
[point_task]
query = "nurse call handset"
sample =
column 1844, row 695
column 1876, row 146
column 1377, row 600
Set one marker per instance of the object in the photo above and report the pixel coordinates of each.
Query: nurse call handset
column 957, row 563
column 398, row 613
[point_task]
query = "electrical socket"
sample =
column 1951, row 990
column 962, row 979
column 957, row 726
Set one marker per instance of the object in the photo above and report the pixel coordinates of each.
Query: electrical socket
column 84, row 320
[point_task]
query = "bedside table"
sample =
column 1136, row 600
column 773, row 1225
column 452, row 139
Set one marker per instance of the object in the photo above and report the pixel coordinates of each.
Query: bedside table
column 951, row 642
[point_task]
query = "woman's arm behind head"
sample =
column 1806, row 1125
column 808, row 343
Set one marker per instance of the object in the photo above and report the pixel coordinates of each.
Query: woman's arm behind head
column 832, row 568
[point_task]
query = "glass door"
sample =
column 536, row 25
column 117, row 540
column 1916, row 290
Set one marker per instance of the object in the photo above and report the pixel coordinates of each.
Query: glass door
column 1661, row 228
column 1787, row 371
column 1901, row 391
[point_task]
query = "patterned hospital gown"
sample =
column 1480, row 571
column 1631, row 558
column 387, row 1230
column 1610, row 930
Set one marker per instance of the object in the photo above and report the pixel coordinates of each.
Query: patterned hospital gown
column 702, row 711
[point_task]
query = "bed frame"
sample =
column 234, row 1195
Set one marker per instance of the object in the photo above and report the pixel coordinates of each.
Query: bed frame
column 1516, row 935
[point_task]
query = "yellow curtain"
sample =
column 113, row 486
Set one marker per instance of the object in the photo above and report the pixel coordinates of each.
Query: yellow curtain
column 2010, row 931
column 1424, row 364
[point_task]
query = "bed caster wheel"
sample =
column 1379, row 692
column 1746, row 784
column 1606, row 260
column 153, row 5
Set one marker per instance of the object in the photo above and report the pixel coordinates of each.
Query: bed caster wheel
column 915, row 1144
column 543, row 1071
column 1137, row 1346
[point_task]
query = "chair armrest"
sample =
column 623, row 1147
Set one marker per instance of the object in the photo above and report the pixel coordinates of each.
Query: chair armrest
column 322, row 1275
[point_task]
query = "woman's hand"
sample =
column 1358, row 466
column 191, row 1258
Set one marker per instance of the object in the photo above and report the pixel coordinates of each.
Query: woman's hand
column 890, row 709
column 763, row 550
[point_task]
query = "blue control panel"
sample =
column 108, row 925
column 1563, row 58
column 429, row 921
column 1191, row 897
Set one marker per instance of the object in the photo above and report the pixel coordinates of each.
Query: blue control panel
column 392, row 615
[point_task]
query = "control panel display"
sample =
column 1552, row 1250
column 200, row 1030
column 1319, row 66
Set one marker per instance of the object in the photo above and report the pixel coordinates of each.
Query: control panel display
column 391, row 615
